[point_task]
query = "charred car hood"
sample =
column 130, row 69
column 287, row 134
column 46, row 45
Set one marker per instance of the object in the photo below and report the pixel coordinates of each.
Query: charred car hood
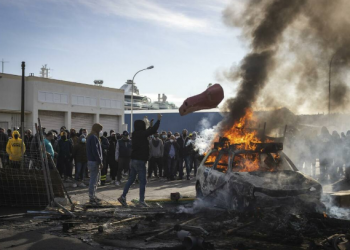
column 279, row 183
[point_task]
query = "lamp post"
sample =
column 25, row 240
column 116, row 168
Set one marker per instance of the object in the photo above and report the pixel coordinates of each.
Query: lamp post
column 132, row 96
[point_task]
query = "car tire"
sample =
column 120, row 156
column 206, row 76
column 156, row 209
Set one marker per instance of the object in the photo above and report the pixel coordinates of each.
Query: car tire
column 236, row 202
column 199, row 193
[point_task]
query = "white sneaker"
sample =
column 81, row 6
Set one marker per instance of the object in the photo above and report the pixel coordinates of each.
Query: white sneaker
column 117, row 183
column 74, row 185
column 82, row 185
column 125, row 174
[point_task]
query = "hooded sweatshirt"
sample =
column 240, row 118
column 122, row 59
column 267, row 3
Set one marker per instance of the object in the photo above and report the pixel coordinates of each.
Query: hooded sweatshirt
column 15, row 147
column 93, row 144
column 140, row 143
column 65, row 148
column 156, row 148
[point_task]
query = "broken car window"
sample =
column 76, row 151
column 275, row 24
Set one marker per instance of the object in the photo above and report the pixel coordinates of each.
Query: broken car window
column 222, row 162
column 209, row 162
column 251, row 162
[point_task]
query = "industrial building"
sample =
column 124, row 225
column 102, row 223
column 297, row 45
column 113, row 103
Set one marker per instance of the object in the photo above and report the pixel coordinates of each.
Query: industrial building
column 58, row 103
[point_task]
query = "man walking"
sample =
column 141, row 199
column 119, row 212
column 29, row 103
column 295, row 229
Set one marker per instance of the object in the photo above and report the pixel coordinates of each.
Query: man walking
column 95, row 159
column 139, row 157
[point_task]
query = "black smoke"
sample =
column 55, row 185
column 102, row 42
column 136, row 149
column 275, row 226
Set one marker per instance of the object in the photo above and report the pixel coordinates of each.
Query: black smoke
column 291, row 46
column 255, row 67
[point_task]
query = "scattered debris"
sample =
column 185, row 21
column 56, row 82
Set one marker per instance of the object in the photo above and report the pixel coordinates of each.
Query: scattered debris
column 108, row 224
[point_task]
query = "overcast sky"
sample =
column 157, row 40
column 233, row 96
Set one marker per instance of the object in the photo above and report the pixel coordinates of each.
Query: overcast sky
column 84, row 40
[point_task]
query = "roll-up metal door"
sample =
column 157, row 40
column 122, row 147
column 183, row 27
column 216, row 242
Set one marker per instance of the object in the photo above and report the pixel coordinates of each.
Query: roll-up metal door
column 110, row 122
column 80, row 120
column 51, row 119
column 4, row 125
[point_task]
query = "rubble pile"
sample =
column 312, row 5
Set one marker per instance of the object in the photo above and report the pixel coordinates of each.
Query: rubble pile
column 192, row 226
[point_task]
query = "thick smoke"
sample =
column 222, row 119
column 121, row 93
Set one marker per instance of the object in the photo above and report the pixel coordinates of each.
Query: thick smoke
column 298, row 38
column 256, row 66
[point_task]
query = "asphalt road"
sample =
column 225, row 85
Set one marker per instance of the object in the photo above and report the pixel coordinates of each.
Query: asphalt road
column 155, row 189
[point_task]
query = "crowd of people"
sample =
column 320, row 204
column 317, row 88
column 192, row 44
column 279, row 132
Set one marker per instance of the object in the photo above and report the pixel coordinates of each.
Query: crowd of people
column 146, row 153
column 84, row 155
column 332, row 151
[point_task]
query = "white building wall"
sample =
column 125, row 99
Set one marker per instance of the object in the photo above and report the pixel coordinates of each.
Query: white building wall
column 56, row 95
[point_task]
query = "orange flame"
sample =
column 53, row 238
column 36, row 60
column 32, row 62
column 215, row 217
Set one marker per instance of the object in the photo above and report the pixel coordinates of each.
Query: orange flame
column 245, row 139
column 238, row 134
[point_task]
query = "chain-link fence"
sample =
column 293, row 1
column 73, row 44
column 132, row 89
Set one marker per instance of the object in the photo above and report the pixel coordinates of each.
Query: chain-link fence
column 28, row 175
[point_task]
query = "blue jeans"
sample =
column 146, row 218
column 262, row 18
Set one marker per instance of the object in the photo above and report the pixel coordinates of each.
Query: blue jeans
column 137, row 168
column 188, row 163
column 80, row 170
column 171, row 168
column 94, row 169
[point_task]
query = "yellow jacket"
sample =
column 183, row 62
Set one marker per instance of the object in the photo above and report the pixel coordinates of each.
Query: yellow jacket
column 13, row 147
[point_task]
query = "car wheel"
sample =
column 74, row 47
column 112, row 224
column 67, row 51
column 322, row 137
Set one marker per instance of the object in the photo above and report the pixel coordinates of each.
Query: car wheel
column 199, row 193
column 235, row 202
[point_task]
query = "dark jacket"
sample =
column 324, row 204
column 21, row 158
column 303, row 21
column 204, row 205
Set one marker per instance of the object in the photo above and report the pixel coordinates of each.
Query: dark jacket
column 93, row 149
column 140, row 142
column 27, row 143
column 168, row 146
column 104, row 145
column 3, row 142
column 75, row 140
column 34, row 147
column 111, row 149
column 156, row 148
column 79, row 152
column 124, row 148
column 65, row 149
column 190, row 148
column 182, row 142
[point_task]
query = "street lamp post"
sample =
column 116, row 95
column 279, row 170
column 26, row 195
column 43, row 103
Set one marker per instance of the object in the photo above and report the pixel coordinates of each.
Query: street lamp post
column 132, row 96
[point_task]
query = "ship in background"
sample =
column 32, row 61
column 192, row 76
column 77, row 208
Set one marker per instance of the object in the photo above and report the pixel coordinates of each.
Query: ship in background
column 172, row 121
column 141, row 102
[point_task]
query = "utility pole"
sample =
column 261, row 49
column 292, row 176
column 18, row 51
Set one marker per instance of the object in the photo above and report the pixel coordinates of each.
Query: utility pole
column 22, row 110
column 2, row 64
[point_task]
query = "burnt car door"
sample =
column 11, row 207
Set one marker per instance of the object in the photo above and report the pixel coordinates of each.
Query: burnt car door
column 217, row 176
column 205, row 168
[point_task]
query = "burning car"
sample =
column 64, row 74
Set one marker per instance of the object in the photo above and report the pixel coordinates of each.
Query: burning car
column 241, row 174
